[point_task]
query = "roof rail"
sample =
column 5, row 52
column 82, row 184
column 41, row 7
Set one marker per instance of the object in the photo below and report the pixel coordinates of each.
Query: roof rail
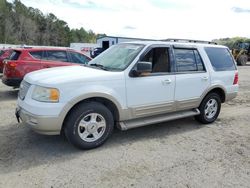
column 189, row 40
column 31, row 46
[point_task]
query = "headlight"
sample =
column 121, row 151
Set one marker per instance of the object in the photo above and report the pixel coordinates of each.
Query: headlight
column 44, row 94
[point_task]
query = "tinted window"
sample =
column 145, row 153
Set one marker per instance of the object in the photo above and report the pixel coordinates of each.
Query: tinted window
column 55, row 55
column 15, row 55
column 37, row 54
column 199, row 62
column 79, row 58
column 220, row 59
column 1, row 52
column 188, row 60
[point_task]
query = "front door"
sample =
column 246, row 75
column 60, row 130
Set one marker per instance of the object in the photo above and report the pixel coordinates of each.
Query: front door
column 152, row 93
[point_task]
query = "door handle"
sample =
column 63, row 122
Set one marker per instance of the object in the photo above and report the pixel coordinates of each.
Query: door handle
column 205, row 78
column 167, row 81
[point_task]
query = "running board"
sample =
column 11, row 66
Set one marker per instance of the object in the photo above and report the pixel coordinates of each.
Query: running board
column 130, row 124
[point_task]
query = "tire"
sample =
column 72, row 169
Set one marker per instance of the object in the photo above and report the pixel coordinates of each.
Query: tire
column 242, row 60
column 89, row 125
column 209, row 108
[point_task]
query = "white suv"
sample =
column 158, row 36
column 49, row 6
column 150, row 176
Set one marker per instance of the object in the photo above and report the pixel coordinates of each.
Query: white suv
column 129, row 85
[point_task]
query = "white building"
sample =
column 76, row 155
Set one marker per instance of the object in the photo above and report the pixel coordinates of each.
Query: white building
column 107, row 41
column 85, row 48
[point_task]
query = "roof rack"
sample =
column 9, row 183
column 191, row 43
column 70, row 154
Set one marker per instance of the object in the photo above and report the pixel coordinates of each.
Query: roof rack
column 31, row 46
column 189, row 40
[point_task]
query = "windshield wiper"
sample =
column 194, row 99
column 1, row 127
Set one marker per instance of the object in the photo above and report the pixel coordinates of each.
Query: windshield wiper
column 98, row 65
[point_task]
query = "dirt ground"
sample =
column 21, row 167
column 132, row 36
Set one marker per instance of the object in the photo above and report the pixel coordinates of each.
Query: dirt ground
column 180, row 153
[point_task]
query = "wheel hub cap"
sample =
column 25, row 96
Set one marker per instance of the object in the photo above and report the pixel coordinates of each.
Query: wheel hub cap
column 211, row 108
column 91, row 127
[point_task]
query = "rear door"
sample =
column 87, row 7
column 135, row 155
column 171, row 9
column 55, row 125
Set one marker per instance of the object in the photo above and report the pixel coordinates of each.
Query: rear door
column 192, row 78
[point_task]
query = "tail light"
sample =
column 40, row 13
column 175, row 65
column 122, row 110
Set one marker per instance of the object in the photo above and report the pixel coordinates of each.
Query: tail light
column 236, row 78
column 12, row 64
column 9, row 67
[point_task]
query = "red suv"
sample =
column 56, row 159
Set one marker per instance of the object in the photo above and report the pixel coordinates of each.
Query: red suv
column 4, row 54
column 25, row 60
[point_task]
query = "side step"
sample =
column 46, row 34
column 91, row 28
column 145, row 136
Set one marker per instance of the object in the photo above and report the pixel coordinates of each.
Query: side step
column 130, row 124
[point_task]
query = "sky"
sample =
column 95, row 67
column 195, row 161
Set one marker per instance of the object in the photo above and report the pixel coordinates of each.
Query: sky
column 153, row 19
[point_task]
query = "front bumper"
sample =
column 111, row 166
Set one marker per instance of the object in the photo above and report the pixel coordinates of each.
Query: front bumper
column 47, row 125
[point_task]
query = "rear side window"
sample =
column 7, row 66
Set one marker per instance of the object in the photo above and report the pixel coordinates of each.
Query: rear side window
column 15, row 55
column 220, row 59
column 57, row 55
column 188, row 60
column 78, row 58
column 37, row 54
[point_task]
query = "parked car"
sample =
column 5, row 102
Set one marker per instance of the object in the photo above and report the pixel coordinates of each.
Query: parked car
column 96, row 52
column 129, row 85
column 25, row 60
column 4, row 54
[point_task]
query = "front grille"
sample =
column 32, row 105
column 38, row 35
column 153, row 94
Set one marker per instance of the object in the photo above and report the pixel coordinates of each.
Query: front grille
column 24, row 87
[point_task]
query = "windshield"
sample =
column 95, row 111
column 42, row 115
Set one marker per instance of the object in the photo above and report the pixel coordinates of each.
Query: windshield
column 242, row 45
column 117, row 57
column 245, row 45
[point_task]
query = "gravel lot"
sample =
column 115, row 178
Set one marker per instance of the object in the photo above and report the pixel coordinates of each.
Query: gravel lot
column 180, row 153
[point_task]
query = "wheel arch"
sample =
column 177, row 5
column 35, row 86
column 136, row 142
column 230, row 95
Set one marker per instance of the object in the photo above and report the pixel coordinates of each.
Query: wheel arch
column 106, row 100
column 216, row 89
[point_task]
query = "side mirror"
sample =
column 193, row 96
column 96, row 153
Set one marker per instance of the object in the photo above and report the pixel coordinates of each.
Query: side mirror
column 141, row 67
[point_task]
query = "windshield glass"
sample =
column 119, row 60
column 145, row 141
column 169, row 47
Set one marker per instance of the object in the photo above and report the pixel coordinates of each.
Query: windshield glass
column 117, row 57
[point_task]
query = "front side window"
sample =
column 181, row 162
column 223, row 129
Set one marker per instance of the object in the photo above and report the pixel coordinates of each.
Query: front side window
column 117, row 57
column 78, row 58
column 57, row 55
column 220, row 59
column 159, row 57
column 188, row 60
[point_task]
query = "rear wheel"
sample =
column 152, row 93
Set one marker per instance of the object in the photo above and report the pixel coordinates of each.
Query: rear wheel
column 89, row 125
column 242, row 60
column 209, row 108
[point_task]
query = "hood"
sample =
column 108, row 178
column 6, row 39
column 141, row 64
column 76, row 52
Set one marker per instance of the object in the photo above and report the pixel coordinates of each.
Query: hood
column 70, row 74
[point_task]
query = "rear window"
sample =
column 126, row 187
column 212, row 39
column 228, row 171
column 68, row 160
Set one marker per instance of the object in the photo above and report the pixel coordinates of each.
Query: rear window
column 1, row 52
column 37, row 54
column 220, row 59
column 15, row 55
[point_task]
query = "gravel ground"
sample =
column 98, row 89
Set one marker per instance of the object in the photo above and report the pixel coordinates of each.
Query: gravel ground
column 180, row 153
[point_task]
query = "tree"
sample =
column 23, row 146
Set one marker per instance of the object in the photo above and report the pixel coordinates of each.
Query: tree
column 25, row 25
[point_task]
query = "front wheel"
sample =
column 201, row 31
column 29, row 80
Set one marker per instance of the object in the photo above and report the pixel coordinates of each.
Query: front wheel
column 242, row 60
column 89, row 125
column 209, row 108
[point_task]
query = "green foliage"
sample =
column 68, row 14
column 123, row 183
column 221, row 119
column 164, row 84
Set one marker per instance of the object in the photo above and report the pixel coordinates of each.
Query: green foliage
column 230, row 42
column 25, row 25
